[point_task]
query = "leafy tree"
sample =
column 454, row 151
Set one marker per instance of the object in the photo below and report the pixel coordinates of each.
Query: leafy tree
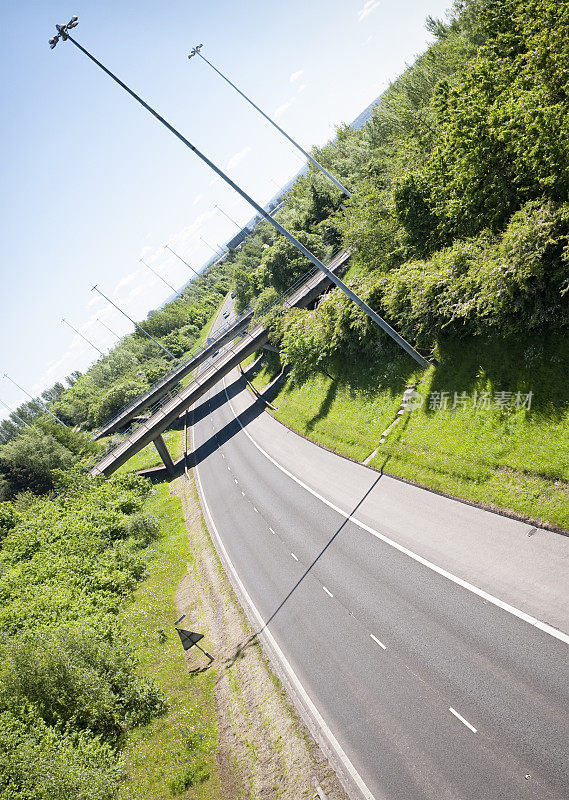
column 283, row 264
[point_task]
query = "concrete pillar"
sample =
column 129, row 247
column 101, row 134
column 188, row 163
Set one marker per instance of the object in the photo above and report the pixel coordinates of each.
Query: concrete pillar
column 160, row 445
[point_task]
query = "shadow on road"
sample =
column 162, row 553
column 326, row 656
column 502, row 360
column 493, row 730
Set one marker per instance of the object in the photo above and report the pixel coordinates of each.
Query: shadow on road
column 219, row 438
column 242, row 647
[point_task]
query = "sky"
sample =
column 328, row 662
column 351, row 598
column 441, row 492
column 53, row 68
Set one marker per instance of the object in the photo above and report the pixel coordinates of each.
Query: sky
column 91, row 182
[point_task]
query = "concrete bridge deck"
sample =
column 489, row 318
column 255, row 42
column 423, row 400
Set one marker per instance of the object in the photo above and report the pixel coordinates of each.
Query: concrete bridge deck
column 171, row 380
column 151, row 429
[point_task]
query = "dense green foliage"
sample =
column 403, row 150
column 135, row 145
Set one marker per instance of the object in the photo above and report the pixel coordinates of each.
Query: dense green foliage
column 28, row 462
column 72, row 551
column 69, row 687
column 459, row 222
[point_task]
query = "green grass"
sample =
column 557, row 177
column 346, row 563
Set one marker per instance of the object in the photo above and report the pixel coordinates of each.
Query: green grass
column 249, row 360
column 148, row 457
column 187, row 733
column 517, row 461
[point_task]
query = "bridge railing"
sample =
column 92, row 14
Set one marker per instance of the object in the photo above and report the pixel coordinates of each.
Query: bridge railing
column 179, row 366
column 286, row 299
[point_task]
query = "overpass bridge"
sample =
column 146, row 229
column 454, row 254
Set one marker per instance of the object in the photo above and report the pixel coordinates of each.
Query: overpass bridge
column 170, row 381
column 150, row 430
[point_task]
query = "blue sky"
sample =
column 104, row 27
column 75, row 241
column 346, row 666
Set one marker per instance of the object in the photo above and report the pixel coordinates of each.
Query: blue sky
column 91, row 183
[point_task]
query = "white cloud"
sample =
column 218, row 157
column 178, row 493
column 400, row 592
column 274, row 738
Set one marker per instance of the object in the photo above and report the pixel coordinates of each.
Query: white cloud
column 367, row 8
column 284, row 108
column 368, row 40
column 301, row 88
column 238, row 158
column 138, row 290
column 183, row 238
column 296, row 75
column 94, row 301
column 125, row 282
column 197, row 199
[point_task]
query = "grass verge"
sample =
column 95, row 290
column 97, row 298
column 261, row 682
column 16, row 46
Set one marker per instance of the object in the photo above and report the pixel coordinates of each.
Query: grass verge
column 516, row 460
column 178, row 750
column 148, row 456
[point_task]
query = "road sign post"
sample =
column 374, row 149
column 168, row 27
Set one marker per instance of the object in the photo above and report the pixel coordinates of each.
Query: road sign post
column 190, row 639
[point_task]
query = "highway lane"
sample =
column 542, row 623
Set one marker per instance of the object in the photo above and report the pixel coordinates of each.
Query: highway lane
column 437, row 647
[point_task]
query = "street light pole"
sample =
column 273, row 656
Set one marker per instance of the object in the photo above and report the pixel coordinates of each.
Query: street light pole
column 83, row 337
column 218, row 252
column 136, row 325
column 158, row 275
column 196, row 51
column 197, row 274
column 240, row 227
column 63, row 33
column 104, row 324
column 13, row 413
column 36, row 400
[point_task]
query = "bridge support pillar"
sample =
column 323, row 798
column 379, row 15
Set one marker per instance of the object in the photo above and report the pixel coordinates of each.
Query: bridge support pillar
column 163, row 452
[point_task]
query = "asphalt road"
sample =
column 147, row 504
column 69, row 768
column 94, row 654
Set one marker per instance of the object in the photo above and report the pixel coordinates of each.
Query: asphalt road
column 430, row 690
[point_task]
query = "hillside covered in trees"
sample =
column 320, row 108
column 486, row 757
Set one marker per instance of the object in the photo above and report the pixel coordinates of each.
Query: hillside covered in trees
column 459, row 215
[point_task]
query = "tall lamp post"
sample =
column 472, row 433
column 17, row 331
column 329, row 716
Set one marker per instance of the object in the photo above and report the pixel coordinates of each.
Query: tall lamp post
column 69, row 325
column 104, row 324
column 36, row 400
column 63, row 33
column 196, row 51
column 197, row 274
column 136, row 325
column 240, row 227
column 218, row 252
column 158, row 275
column 13, row 413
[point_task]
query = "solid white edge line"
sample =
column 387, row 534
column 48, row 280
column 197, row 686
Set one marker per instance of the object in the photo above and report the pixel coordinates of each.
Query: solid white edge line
column 376, row 640
column 516, row 612
column 316, row 715
column 464, row 721
column 328, row 591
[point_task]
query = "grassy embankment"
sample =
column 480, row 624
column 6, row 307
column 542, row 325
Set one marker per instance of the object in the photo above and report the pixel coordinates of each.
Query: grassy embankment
column 517, row 461
column 204, row 333
column 148, row 457
column 178, row 750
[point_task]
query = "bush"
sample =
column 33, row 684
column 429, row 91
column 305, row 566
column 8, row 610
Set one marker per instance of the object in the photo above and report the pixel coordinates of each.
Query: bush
column 115, row 398
column 38, row 763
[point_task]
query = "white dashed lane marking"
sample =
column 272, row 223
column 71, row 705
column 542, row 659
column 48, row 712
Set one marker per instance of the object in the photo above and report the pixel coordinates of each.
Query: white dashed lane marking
column 464, row 721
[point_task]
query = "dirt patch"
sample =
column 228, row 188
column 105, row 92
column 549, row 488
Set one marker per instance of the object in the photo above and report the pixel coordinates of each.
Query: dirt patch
column 265, row 750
